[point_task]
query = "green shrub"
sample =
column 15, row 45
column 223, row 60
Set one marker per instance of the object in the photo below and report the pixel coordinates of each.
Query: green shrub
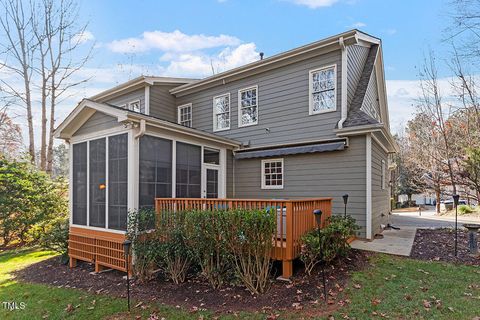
column 145, row 246
column 328, row 243
column 249, row 236
column 465, row 209
column 28, row 198
column 174, row 255
column 206, row 238
column 53, row 235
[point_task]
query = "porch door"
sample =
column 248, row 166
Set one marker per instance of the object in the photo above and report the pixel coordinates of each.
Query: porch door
column 210, row 183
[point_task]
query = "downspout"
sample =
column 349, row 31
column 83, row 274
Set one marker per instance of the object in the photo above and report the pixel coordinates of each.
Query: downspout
column 143, row 128
column 344, row 110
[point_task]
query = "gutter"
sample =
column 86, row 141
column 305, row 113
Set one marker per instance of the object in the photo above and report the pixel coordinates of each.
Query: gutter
column 143, row 128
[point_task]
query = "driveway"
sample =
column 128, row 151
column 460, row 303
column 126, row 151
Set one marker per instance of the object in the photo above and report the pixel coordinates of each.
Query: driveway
column 428, row 219
column 400, row 242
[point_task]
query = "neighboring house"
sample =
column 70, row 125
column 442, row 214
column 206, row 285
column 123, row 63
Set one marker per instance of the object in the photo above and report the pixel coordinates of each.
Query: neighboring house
column 309, row 122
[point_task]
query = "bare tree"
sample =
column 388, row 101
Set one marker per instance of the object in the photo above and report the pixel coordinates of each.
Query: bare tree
column 432, row 106
column 52, row 62
column 63, row 37
column 19, row 49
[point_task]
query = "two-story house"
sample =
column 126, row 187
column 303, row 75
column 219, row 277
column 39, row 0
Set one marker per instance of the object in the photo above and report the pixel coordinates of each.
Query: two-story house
column 309, row 122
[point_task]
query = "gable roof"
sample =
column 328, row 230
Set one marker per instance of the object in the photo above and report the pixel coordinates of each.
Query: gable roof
column 86, row 108
column 287, row 57
column 140, row 82
column 356, row 116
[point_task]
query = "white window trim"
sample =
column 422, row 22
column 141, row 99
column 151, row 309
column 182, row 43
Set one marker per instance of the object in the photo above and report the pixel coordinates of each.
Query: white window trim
column 383, row 175
column 124, row 106
column 191, row 113
column 139, row 105
column 105, row 135
column 310, row 99
column 215, row 128
column 264, row 186
column 240, row 107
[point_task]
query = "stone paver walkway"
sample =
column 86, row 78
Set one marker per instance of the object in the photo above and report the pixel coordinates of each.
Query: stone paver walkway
column 397, row 242
column 400, row 242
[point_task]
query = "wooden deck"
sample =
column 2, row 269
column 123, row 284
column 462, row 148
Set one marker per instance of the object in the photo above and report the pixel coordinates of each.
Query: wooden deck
column 294, row 219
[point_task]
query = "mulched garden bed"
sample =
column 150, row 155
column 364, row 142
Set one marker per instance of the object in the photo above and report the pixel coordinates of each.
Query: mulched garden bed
column 439, row 244
column 302, row 294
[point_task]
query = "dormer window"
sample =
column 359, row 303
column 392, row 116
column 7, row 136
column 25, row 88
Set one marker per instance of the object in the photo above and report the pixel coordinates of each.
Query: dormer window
column 134, row 106
column 323, row 91
column 185, row 115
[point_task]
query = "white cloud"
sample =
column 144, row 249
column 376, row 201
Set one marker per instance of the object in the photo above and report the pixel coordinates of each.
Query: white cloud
column 403, row 98
column 358, row 25
column 175, row 41
column 202, row 65
column 83, row 37
column 314, row 4
column 390, row 31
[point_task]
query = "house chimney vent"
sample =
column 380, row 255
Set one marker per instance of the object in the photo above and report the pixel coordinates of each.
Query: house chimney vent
column 261, row 55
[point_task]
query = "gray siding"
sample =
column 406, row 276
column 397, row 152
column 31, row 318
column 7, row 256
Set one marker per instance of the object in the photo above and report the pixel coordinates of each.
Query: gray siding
column 98, row 122
column 356, row 58
column 282, row 101
column 126, row 98
column 370, row 103
column 329, row 174
column 162, row 103
column 380, row 197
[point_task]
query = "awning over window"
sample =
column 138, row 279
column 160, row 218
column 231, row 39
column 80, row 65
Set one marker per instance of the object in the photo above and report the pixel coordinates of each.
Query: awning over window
column 312, row 148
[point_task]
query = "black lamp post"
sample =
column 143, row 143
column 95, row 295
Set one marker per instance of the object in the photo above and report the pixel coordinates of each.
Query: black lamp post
column 126, row 250
column 345, row 201
column 456, row 197
column 318, row 218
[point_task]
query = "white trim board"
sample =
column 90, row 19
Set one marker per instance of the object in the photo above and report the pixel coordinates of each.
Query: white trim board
column 368, row 147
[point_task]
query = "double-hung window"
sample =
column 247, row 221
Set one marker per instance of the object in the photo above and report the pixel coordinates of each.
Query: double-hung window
column 221, row 112
column 322, row 90
column 272, row 174
column 248, row 106
column 134, row 106
column 185, row 115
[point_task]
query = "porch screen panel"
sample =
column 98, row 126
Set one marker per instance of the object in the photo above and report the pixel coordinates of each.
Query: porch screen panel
column 117, row 181
column 155, row 171
column 79, row 184
column 97, row 183
column 188, row 174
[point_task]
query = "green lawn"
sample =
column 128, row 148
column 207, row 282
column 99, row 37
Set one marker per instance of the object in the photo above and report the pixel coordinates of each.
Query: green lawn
column 402, row 288
column 45, row 302
column 394, row 287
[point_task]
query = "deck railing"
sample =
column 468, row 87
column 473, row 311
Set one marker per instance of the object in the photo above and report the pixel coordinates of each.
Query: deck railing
column 294, row 219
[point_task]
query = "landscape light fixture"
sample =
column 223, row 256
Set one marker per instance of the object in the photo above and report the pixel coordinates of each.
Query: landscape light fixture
column 345, row 201
column 318, row 218
column 456, row 197
column 126, row 250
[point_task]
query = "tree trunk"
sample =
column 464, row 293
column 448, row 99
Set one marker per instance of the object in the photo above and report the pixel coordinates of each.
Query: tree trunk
column 437, row 197
column 44, row 127
column 52, row 129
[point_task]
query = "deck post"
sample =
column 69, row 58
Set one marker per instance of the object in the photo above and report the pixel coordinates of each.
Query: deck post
column 287, row 269
column 73, row 262
column 287, row 263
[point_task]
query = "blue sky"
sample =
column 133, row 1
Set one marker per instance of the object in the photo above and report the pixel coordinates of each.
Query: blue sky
column 407, row 28
column 189, row 38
